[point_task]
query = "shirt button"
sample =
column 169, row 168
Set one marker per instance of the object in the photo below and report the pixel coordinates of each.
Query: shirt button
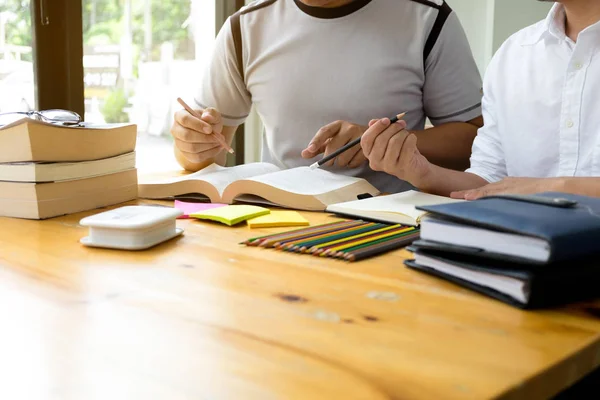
column 570, row 124
column 578, row 65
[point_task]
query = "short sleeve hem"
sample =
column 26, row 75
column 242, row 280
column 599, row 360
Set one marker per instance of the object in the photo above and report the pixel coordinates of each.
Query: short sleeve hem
column 490, row 178
column 464, row 115
column 228, row 120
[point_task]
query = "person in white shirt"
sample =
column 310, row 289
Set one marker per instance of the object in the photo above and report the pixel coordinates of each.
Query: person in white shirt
column 318, row 70
column 541, row 118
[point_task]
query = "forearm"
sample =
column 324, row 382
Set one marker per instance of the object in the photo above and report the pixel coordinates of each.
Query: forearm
column 582, row 186
column 449, row 145
column 443, row 181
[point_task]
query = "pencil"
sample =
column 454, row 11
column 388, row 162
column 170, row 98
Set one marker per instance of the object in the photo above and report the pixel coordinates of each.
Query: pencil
column 305, row 245
column 281, row 242
column 381, row 239
column 320, row 248
column 262, row 240
column 349, row 145
column 218, row 137
column 382, row 248
column 334, row 239
column 366, row 241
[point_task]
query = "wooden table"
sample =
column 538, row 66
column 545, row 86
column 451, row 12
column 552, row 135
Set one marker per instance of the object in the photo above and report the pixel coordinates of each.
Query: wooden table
column 202, row 317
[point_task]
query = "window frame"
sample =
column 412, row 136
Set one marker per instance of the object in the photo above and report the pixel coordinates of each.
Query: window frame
column 58, row 57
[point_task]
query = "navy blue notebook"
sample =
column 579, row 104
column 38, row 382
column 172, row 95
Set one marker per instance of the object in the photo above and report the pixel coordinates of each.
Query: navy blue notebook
column 568, row 232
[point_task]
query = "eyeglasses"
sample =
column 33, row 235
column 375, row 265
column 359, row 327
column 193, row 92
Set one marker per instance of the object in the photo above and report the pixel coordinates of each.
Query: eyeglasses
column 55, row 116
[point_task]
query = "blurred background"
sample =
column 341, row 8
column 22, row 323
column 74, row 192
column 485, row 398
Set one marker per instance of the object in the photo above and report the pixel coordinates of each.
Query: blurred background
column 140, row 55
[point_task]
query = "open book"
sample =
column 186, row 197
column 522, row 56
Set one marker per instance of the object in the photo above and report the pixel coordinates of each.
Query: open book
column 397, row 208
column 298, row 188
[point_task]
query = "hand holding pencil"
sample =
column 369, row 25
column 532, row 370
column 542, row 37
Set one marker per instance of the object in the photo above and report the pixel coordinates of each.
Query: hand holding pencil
column 392, row 149
column 197, row 133
column 338, row 142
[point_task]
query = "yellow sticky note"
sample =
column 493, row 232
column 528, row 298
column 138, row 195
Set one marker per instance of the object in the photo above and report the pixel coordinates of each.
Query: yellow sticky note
column 231, row 215
column 278, row 219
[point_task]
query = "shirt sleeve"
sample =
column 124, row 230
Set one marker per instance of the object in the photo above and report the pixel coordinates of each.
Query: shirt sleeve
column 452, row 89
column 487, row 156
column 222, row 86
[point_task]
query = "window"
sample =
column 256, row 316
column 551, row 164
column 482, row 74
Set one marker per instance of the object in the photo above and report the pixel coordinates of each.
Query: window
column 138, row 56
column 16, row 57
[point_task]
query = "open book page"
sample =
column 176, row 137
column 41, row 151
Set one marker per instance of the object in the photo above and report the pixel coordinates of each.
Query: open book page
column 399, row 203
column 306, row 181
column 221, row 177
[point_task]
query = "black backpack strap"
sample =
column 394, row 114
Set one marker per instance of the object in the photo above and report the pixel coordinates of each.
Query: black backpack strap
column 236, row 32
column 444, row 12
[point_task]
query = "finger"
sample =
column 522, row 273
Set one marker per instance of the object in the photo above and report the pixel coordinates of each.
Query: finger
column 195, row 147
column 188, row 121
column 368, row 138
column 371, row 122
column 212, row 116
column 393, row 151
column 201, row 157
column 401, row 123
column 381, row 142
column 458, row 195
column 337, row 142
column 358, row 160
column 326, row 132
column 475, row 194
column 190, row 136
column 344, row 159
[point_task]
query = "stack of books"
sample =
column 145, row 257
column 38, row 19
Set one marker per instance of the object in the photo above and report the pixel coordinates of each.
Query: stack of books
column 527, row 251
column 47, row 170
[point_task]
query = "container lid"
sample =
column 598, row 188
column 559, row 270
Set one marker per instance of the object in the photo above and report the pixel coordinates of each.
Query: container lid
column 131, row 217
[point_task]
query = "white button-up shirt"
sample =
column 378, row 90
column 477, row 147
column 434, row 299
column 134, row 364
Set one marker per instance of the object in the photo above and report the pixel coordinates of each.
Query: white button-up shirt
column 541, row 105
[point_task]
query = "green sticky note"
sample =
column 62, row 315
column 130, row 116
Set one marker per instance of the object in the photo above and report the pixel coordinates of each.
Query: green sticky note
column 231, row 215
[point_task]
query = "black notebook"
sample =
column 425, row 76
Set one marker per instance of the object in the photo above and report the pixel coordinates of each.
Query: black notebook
column 522, row 284
column 531, row 228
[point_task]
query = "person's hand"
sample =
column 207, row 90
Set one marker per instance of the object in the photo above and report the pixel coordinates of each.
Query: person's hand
column 392, row 149
column 195, row 137
column 511, row 186
column 333, row 136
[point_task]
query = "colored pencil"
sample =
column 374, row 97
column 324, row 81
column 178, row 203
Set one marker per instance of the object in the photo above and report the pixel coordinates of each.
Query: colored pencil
column 305, row 238
column 381, row 248
column 282, row 242
column 348, row 240
column 305, row 245
column 260, row 240
column 367, row 240
column 218, row 136
column 358, row 247
column 364, row 236
column 349, row 145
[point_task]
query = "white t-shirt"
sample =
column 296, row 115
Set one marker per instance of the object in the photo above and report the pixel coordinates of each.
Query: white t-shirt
column 304, row 67
column 540, row 105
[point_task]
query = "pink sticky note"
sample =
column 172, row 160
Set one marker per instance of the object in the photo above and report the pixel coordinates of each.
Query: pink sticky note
column 189, row 208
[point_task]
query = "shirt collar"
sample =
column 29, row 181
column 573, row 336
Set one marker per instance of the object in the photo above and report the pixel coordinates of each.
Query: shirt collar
column 552, row 26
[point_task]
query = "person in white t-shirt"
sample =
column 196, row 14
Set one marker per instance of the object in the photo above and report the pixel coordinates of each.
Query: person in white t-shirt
column 318, row 70
column 540, row 109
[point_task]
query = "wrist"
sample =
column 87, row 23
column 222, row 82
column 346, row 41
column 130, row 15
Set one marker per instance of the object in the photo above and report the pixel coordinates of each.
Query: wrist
column 560, row 185
column 425, row 178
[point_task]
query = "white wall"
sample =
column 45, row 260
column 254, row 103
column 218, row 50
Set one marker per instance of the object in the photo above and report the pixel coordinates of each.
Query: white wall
column 512, row 15
column 488, row 23
column 476, row 17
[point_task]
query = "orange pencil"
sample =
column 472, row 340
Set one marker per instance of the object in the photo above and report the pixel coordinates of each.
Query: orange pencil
column 218, row 137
